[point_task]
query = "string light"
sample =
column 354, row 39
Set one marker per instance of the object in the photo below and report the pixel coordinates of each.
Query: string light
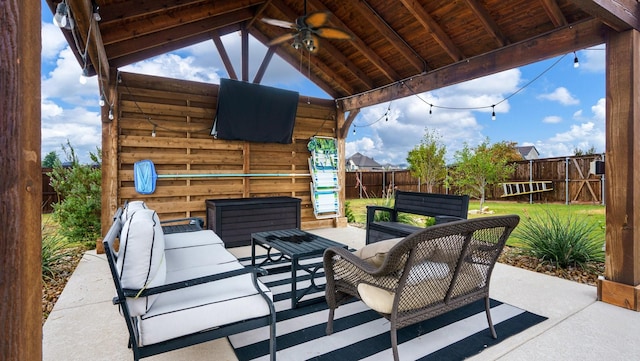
column 493, row 112
column 102, row 100
column 354, row 129
column 84, row 75
column 153, row 132
column 110, row 113
column 576, row 62
column 430, row 109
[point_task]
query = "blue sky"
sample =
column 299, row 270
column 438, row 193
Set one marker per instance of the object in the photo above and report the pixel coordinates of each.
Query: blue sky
column 551, row 105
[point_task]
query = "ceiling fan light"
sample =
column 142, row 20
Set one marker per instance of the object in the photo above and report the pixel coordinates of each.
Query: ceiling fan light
column 296, row 43
column 307, row 40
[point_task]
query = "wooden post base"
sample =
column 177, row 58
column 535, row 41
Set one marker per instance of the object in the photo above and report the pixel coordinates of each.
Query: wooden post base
column 619, row 294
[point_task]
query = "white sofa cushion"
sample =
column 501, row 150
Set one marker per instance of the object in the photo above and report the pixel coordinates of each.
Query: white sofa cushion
column 188, row 257
column 191, row 239
column 141, row 262
column 375, row 253
column 197, row 308
column 130, row 208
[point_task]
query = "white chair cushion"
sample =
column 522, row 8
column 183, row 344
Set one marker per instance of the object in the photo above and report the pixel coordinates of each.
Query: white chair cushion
column 141, row 262
column 191, row 239
column 197, row 308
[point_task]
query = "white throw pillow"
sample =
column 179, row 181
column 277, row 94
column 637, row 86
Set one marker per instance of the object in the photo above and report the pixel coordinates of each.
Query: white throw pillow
column 375, row 253
column 141, row 261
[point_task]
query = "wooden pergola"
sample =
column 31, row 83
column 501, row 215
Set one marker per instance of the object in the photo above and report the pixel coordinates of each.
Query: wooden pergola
column 396, row 49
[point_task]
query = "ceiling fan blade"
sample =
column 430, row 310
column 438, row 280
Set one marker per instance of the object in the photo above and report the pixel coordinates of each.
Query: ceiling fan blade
column 281, row 39
column 280, row 23
column 332, row 33
column 316, row 19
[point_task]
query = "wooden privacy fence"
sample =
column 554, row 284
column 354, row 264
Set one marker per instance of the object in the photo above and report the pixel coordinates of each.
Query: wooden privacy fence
column 566, row 180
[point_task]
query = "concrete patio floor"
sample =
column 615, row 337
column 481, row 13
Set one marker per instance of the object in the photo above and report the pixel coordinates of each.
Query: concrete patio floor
column 85, row 325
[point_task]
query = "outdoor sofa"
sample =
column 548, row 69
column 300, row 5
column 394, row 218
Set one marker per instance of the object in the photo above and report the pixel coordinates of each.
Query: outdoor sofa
column 180, row 289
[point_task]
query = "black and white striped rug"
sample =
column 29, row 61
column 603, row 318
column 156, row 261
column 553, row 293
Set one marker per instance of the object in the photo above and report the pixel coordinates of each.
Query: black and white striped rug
column 361, row 334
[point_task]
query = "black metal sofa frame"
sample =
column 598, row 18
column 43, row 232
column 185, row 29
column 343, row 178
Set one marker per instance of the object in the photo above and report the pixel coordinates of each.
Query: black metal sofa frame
column 191, row 224
column 443, row 207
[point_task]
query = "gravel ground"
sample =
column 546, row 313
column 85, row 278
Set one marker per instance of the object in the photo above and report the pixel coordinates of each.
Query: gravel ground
column 52, row 287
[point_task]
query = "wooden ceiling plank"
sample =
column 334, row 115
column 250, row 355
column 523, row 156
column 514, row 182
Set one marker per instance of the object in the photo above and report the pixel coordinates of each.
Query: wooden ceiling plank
column 362, row 47
column 174, row 19
column 488, row 23
column 620, row 15
column 177, row 38
column 434, row 29
column 263, row 66
column 370, row 14
column 222, row 51
column 555, row 14
column 166, row 47
column 338, row 56
column 121, row 10
column 258, row 13
column 576, row 36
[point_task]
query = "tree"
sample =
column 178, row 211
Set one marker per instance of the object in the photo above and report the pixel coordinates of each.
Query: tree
column 477, row 168
column 579, row 152
column 50, row 160
column 426, row 160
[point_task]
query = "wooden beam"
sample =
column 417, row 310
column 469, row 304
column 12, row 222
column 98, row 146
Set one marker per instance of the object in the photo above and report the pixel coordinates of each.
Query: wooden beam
column 576, row 36
column 344, row 129
column 258, row 13
column 224, row 56
column 622, row 166
column 362, row 47
column 487, row 22
column 620, row 15
column 554, row 13
column 265, row 63
column 110, row 159
column 244, row 47
column 368, row 13
column 21, row 184
column 433, row 28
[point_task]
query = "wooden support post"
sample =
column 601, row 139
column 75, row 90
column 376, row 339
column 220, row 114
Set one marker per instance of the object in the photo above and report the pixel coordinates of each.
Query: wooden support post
column 622, row 262
column 21, row 182
column 341, row 221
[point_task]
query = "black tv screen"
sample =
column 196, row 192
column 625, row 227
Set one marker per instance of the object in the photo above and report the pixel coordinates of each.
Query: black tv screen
column 254, row 113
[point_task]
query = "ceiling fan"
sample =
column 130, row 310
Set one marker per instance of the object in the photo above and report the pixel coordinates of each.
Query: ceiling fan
column 306, row 30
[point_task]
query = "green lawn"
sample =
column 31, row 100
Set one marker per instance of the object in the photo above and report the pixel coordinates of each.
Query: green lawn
column 594, row 212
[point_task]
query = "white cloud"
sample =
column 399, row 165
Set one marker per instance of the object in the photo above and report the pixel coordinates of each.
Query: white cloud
column 560, row 95
column 52, row 41
column 593, row 59
column 552, row 119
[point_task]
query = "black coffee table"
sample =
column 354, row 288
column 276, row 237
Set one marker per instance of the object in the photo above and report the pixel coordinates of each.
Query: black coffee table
column 294, row 245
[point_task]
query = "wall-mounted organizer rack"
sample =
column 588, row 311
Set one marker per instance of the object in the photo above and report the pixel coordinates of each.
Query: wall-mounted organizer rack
column 325, row 184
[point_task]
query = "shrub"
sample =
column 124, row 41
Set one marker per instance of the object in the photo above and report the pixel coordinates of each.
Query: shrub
column 387, row 201
column 79, row 187
column 351, row 218
column 562, row 241
column 55, row 249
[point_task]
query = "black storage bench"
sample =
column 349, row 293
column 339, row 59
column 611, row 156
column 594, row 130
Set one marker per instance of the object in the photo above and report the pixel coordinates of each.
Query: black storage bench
column 235, row 219
column 443, row 207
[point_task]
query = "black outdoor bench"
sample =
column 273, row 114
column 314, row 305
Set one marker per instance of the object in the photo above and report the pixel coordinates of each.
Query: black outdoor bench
column 443, row 207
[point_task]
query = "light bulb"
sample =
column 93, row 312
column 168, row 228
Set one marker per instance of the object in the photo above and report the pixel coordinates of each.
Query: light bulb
column 153, row 132
column 102, row 100
column 576, row 62
column 82, row 79
column 493, row 112
column 84, row 75
column 110, row 114
column 354, row 130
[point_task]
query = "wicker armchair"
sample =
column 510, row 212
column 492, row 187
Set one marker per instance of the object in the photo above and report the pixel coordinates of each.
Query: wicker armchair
column 423, row 275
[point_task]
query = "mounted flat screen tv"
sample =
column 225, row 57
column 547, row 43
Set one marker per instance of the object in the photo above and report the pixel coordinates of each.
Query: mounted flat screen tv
column 254, row 113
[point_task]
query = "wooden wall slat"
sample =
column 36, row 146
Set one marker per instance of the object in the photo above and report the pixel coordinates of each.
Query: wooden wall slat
column 182, row 114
